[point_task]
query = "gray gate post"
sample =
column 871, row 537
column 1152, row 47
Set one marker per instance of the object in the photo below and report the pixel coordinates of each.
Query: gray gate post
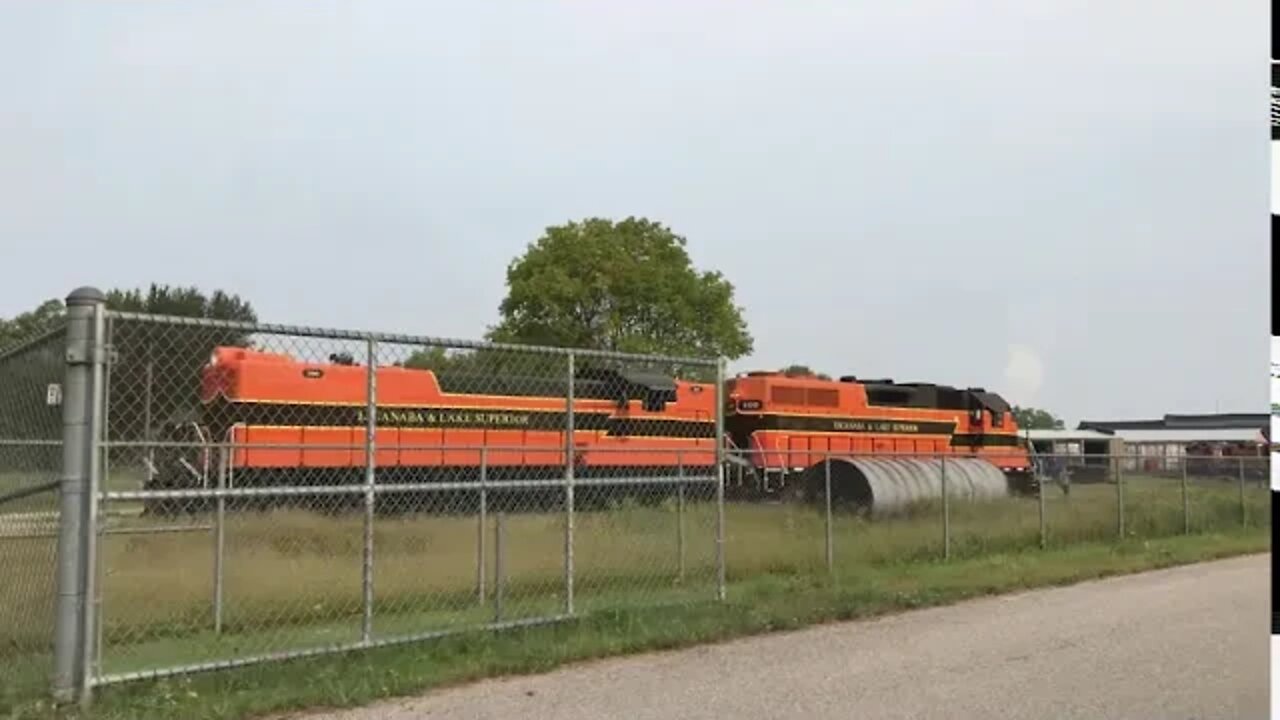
column 78, row 402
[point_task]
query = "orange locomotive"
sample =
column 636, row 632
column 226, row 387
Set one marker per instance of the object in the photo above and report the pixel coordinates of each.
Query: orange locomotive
column 785, row 424
column 298, row 423
column 427, row 419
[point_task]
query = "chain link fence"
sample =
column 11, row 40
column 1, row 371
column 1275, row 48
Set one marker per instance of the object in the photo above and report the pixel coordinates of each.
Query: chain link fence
column 280, row 492
column 30, row 461
column 251, row 493
column 836, row 521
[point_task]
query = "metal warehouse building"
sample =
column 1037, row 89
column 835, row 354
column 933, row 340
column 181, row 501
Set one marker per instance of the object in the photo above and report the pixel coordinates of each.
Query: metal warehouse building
column 1160, row 445
column 1155, row 446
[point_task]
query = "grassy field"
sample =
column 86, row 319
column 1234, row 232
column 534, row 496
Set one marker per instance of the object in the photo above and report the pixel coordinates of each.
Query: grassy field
column 292, row 580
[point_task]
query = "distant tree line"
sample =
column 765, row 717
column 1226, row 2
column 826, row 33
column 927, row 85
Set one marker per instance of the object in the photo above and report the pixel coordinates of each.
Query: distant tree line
column 1030, row 418
column 154, row 375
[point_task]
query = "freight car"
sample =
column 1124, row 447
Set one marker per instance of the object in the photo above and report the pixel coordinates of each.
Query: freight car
column 285, row 423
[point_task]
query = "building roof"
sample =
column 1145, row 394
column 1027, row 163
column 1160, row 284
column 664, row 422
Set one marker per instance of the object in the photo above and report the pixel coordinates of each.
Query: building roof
column 1067, row 435
column 1190, row 435
column 1242, row 421
column 1113, row 425
column 1220, row 420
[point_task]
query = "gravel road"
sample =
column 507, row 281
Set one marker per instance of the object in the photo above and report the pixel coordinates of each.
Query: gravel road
column 1186, row 643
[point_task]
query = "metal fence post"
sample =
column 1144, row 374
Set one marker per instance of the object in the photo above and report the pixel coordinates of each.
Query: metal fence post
column 568, row 492
column 1120, row 497
column 1044, row 526
column 721, row 591
column 680, row 515
column 219, row 541
column 1186, row 502
column 97, row 410
column 103, row 432
column 481, row 570
column 499, row 569
column 77, row 450
column 830, row 544
column 370, row 473
column 1244, row 510
column 946, row 514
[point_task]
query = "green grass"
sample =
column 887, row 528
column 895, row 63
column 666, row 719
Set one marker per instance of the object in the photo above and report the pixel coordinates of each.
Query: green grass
column 292, row 580
column 762, row 604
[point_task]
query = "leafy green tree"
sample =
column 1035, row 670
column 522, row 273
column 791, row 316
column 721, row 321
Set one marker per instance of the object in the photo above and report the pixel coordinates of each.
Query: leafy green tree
column 29, row 324
column 456, row 361
column 182, row 302
column 155, row 373
column 155, row 367
column 627, row 286
column 1030, row 418
column 28, row 366
column 430, row 358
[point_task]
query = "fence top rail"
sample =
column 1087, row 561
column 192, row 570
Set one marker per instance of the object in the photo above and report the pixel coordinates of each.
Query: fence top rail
column 395, row 338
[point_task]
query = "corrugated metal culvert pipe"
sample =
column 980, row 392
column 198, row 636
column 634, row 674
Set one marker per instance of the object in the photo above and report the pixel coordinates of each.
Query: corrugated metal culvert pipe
column 883, row 486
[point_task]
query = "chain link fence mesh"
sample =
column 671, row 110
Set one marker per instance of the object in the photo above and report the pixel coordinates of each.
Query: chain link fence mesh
column 1074, row 500
column 1080, row 499
column 30, row 461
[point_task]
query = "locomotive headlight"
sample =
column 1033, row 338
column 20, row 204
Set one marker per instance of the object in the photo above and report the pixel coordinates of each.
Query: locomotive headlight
column 213, row 359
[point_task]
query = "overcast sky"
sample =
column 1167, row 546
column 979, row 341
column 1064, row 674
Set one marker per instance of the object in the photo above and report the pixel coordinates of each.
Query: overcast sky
column 1062, row 201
